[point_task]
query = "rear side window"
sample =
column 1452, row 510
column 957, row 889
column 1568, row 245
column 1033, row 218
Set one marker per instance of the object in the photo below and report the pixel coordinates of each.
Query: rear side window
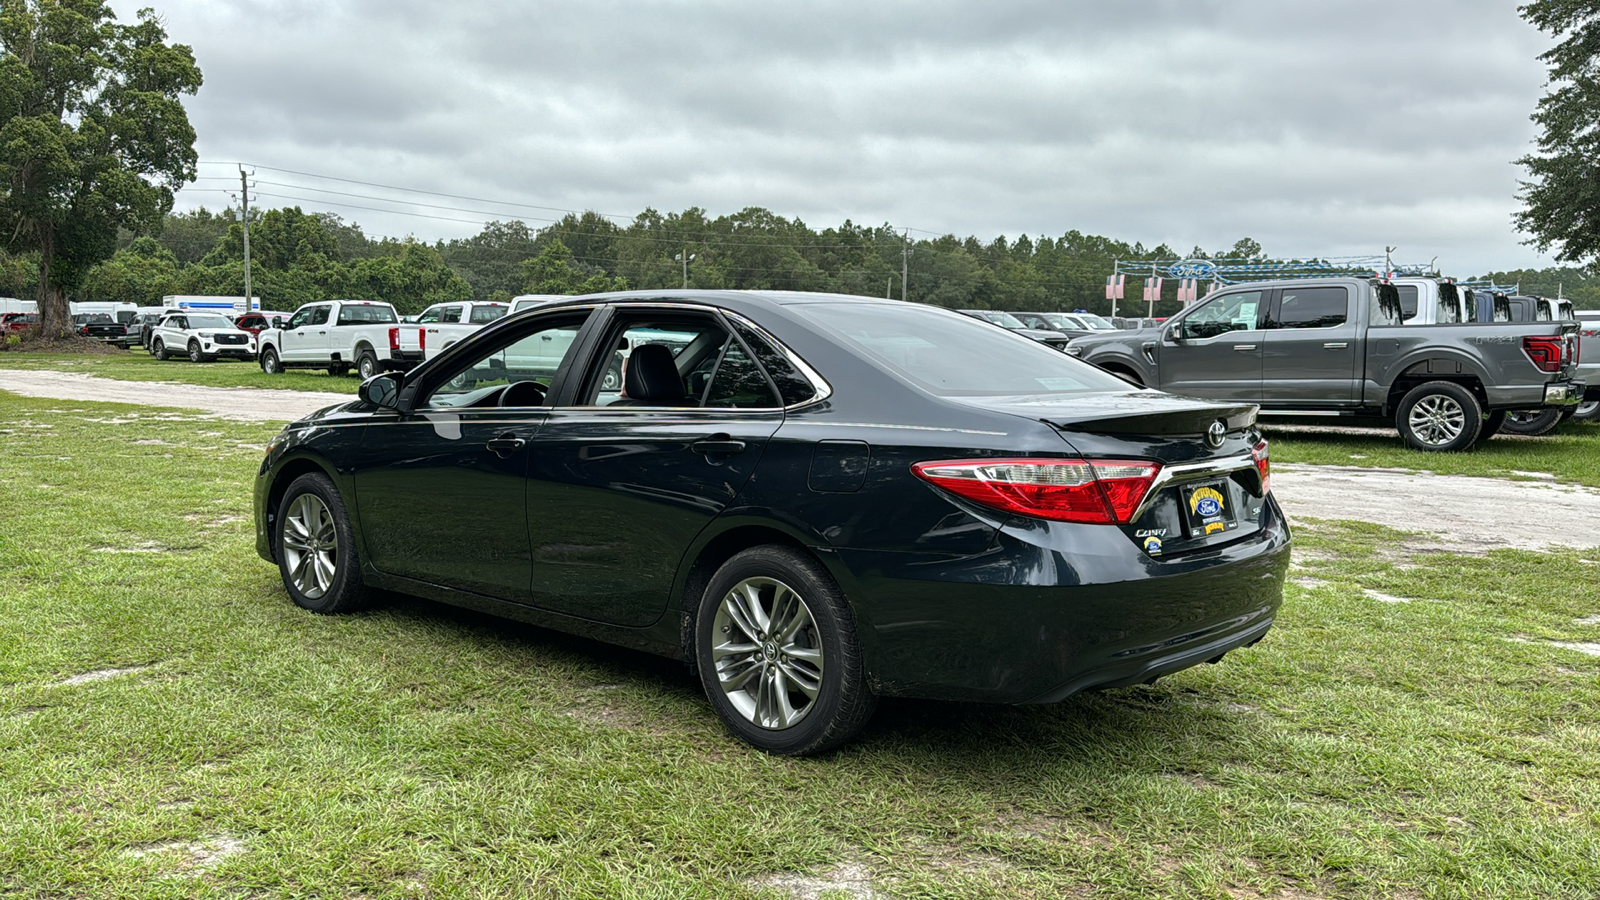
column 1408, row 301
column 794, row 387
column 363, row 314
column 1315, row 307
column 483, row 315
column 738, row 382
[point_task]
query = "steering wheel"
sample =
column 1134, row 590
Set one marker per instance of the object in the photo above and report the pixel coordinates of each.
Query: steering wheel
column 522, row 393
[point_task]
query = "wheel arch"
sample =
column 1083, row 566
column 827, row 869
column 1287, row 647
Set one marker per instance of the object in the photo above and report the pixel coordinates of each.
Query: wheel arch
column 1420, row 374
column 287, row 472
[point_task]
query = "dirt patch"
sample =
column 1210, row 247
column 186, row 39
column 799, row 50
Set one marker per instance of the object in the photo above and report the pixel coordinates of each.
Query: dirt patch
column 191, row 858
column 98, row 675
column 849, row 879
column 244, row 404
column 1384, row 598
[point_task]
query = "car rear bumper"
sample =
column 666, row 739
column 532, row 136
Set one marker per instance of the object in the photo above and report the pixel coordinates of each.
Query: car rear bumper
column 1035, row 621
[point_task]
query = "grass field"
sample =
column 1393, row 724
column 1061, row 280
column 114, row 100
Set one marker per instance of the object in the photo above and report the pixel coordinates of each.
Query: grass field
column 172, row 726
column 137, row 365
column 1571, row 453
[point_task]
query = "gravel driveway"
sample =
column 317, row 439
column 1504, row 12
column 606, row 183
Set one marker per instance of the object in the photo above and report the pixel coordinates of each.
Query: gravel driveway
column 1455, row 512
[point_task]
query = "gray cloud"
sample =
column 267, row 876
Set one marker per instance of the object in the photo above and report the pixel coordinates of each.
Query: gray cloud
column 1314, row 128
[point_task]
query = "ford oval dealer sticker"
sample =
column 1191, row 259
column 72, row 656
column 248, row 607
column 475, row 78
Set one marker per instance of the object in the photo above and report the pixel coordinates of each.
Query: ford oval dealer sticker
column 1205, row 502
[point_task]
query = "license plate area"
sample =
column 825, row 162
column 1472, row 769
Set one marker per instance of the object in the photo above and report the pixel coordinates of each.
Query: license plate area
column 1208, row 508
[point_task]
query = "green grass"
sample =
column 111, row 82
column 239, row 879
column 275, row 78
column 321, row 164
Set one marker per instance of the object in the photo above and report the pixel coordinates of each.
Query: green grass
column 1439, row 748
column 1571, row 453
column 137, row 365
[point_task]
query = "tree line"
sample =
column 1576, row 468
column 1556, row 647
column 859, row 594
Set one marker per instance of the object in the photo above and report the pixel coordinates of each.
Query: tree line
column 297, row 257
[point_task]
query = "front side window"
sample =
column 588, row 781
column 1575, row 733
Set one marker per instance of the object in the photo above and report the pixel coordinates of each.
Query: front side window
column 301, row 318
column 1316, row 307
column 1228, row 313
column 319, row 315
column 517, row 374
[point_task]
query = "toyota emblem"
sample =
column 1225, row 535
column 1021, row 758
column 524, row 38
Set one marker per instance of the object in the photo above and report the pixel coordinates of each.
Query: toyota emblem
column 1216, row 434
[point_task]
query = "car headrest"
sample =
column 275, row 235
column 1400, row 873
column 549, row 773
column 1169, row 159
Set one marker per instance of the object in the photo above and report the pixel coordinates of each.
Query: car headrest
column 652, row 374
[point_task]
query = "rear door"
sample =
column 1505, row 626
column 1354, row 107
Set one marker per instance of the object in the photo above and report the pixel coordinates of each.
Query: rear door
column 620, row 486
column 1310, row 347
column 1215, row 350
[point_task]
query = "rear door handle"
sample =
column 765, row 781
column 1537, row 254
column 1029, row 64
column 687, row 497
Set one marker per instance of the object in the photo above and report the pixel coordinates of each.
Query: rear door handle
column 717, row 443
column 1244, row 347
column 505, row 445
column 1335, row 345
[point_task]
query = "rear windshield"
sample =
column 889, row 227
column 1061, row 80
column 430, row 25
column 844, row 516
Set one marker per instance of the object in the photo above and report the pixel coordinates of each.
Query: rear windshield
column 954, row 355
column 364, row 313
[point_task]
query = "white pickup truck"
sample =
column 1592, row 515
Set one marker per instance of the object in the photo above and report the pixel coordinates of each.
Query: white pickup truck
column 442, row 324
column 337, row 335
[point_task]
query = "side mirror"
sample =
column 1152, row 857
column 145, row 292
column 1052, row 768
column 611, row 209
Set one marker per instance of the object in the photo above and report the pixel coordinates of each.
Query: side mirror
column 382, row 390
column 277, row 321
column 1175, row 333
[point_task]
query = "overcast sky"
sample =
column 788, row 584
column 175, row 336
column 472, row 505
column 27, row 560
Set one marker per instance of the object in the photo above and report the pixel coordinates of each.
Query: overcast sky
column 1328, row 128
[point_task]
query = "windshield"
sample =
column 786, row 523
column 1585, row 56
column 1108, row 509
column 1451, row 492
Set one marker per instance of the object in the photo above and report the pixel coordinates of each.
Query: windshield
column 952, row 355
column 209, row 322
column 1002, row 318
column 1096, row 323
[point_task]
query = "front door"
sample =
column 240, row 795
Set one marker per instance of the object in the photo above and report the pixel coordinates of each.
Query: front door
column 620, row 485
column 1215, row 350
column 305, row 337
column 442, row 492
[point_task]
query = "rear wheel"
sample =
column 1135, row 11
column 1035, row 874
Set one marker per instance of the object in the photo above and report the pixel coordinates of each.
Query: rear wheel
column 1492, row 423
column 270, row 363
column 317, row 554
column 367, row 364
column 1587, row 410
column 158, row 349
column 1532, row 421
column 776, row 648
column 1439, row 416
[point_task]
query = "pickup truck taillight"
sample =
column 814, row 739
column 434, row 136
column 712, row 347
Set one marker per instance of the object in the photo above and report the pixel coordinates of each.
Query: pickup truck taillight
column 394, row 339
column 1096, row 491
column 1546, row 352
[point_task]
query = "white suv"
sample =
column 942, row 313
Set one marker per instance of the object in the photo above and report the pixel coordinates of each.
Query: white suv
column 204, row 336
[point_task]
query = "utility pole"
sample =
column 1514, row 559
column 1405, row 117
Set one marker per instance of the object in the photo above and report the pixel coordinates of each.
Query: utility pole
column 244, row 203
column 685, row 256
column 905, row 262
column 1115, row 268
column 1154, row 290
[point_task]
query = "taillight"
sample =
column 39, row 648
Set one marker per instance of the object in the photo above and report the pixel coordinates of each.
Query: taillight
column 1098, row 491
column 1544, row 351
column 422, row 339
column 394, row 339
column 1263, row 465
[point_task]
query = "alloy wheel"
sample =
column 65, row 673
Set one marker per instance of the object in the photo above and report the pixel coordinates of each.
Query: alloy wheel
column 768, row 657
column 1437, row 419
column 310, row 545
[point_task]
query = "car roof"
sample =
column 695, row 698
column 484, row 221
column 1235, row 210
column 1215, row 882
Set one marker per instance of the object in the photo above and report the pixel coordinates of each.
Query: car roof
column 734, row 300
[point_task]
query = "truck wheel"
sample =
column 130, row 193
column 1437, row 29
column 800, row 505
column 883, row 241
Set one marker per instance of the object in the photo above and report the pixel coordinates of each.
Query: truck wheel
column 1587, row 410
column 613, row 379
column 1532, row 421
column 367, row 364
column 1492, row 423
column 158, row 349
column 1439, row 416
column 269, row 362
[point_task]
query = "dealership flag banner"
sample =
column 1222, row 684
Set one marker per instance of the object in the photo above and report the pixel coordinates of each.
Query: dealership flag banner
column 1114, row 286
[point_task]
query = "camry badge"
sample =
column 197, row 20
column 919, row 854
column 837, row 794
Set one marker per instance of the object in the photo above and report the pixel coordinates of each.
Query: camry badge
column 1216, row 434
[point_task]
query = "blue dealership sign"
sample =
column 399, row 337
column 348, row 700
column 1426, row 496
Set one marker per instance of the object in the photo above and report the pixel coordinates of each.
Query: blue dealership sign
column 1193, row 268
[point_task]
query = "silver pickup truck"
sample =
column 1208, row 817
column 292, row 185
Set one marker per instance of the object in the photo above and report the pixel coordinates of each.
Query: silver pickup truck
column 1337, row 346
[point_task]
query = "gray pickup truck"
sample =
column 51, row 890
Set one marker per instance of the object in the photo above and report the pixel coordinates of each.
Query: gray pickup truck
column 1337, row 346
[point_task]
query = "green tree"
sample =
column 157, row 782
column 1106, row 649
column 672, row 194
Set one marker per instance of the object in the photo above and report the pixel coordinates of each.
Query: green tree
column 93, row 135
column 553, row 272
column 414, row 279
column 1562, row 198
column 143, row 274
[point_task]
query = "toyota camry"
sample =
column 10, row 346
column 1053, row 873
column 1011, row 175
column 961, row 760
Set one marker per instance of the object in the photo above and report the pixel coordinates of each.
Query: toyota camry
column 814, row 500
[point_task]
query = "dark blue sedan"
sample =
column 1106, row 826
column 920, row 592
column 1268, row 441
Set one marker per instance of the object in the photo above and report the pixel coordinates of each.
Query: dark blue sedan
column 816, row 500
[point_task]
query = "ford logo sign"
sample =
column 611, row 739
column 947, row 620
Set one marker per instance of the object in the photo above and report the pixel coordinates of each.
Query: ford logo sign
column 1192, row 268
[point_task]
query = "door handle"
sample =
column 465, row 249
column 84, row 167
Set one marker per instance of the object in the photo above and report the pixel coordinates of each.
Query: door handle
column 717, row 443
column 505, row 445
column 1244, row 348
column 1335, row 345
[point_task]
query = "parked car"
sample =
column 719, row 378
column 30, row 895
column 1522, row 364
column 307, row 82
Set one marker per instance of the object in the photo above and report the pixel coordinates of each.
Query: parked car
column 336, row 335
column 1336, row 346
column 255, row 322
column 18, row 322
column 101, row 327
column 1049, row 322
column 202, row 336
column 1053, row 529
column 1054, row 339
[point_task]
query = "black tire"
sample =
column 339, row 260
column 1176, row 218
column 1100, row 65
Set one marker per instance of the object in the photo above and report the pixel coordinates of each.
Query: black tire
column 1567, row 412
column 822, row 639
column 195, row 355
column 270, row 363
column 613, row 378
column 1492, row 423
column 316, row 548
column 158, row 349
column 1439, row 417
column 1589, row 409
column 1532, row 422
column 367, row 364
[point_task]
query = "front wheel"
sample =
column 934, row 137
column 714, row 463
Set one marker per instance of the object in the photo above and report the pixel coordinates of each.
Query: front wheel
column 270, row 363
column 1439, row 416
column 777, row 653
column 1532, row 421
column 194, row 352
column 159, row 349
column 317, row 554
